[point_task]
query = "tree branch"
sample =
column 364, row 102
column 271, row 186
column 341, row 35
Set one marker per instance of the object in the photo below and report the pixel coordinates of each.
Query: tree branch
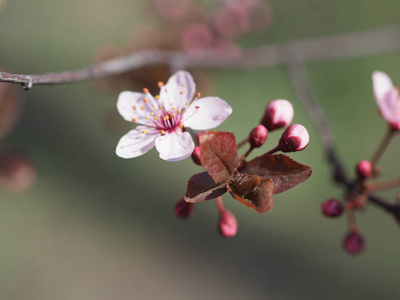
column 370, row 42
column 389, row 207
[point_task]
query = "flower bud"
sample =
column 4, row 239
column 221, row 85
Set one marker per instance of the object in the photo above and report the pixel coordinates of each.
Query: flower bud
column 279, row 113
column 183, row 209
column 364, row 169
column 196, row 155
column 227, row 224
column 332, row 208
column 258, row 136
column 353, row 242
column 295, row 138
column 17, row 172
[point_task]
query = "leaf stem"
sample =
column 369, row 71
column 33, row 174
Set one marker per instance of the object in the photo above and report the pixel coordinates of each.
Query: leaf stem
column 220, row 204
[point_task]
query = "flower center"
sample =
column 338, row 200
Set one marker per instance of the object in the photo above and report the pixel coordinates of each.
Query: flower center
column 164, row 115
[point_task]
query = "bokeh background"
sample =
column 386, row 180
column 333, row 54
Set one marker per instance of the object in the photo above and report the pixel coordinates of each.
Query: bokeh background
column 99, row 227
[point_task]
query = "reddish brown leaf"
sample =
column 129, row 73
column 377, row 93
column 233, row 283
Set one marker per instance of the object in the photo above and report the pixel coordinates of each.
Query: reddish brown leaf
column 253, row 191
column 284, row 171
column 202, row 187
column 218, row 154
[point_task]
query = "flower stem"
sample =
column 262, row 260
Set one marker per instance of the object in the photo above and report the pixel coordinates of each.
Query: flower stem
column 242, row 143
column 276, row 149
column 220, row 204
column 248, row 152
column 382, row 147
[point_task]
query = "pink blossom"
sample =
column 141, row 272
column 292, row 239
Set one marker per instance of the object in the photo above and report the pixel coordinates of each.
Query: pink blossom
column 388, row 98
column 163, row 119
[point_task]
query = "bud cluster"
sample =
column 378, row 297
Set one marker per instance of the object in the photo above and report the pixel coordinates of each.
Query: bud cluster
column 242, row 186
column 360, row 190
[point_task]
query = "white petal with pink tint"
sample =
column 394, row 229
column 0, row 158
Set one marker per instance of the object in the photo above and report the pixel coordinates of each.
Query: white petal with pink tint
column 175, row 146
column 381, row 85
column 129, row 106
column 180, row 89
column 206, row 113
column 136, row 142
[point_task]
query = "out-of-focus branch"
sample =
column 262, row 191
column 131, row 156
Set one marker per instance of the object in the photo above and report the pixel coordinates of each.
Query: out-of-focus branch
column 301, row 86
column 389, row 207
column 370, row 42
column 306, row 96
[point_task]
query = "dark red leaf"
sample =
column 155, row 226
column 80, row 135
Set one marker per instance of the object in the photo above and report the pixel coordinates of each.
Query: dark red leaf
column 218, row 154
column 253, row 191
column 202, row 187
column 284, row 171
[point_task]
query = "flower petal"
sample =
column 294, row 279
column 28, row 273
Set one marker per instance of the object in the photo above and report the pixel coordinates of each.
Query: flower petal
column 210, row 112
column 179, row 89
column 136, row 143
column 381, row 85
column 132, row 105
column 389, row 106
column 175, row 146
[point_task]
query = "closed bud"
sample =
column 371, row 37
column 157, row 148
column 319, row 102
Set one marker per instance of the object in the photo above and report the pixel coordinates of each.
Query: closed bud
column 196, row 155
column 353, row 242
column 258, row 136
column 332, row 208
column 278, row 114
column 227, row 224
column 183, row 209
column 295, row 138
column 364, row 169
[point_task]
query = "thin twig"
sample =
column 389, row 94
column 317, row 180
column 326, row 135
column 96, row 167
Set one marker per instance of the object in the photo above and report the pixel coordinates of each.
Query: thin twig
column 370, row 42
column 382, row 147
column 390, row 207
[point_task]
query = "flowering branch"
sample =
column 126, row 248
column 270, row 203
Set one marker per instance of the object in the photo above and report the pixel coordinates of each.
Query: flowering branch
column 376, row 41
column 307, row 97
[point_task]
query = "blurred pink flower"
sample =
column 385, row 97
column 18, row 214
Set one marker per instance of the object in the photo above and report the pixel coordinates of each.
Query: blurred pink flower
column 232, row 19
column 388, row 98
column 163, row 119
column 197, row 38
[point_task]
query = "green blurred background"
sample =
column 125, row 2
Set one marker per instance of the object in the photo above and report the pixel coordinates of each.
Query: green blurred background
column 99, row 227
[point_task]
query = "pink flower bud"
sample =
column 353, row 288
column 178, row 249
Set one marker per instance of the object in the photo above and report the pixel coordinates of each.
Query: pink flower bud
column 353, row 242
column 332, row 208
column 227, row 224
column 183, row 209
column 364, row 169
column 295, row 138
column 258, row 136
column 196, row 155
column 279, row 113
